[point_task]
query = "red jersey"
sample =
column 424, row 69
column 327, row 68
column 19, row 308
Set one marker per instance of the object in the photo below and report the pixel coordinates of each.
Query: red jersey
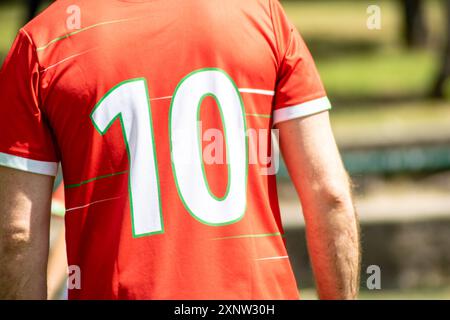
column 130, row 98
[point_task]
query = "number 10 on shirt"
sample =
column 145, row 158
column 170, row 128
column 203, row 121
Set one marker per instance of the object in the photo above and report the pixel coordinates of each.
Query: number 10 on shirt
column 129, row 103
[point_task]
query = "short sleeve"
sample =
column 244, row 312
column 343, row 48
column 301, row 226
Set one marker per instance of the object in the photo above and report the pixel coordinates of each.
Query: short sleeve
column 299, row 91
column 26, row 141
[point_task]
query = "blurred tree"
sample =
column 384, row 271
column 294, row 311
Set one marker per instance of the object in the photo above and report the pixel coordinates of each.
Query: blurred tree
column 444, row 74
column 415, row 30
column 32, row 8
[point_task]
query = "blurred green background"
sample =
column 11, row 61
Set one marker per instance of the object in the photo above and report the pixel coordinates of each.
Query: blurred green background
column 394, row 134
column 392, row 127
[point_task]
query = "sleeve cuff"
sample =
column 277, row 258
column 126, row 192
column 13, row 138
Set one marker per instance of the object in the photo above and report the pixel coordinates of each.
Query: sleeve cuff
column 301, row 110
column 24, row 164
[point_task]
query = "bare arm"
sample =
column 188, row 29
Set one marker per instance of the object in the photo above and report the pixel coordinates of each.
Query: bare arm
column 316, row 169
column 24, row 234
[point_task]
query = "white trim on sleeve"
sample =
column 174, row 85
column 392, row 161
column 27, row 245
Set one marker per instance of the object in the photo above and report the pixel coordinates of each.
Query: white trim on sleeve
column 301, row 110
column 24, row 164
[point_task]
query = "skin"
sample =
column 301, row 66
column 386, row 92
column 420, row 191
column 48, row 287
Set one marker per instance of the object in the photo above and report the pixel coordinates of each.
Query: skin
column 24, row 233
column 313, row 161
column 315, row 166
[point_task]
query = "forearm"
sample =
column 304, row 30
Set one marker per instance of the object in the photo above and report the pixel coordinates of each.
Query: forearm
column 23, row 259
column 19, row 278
column 24, row 234
column 333, row 242
column 312, row 158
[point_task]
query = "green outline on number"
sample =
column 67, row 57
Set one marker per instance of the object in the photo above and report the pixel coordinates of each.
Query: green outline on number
column 246, row 146
column 130, row 192
column 200, row 141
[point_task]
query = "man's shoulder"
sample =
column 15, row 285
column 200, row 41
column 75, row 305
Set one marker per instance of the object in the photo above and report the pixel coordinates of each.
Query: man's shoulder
column 59, row 19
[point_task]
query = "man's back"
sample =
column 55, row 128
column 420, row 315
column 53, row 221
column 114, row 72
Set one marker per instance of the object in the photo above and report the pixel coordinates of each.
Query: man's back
column 129, row 103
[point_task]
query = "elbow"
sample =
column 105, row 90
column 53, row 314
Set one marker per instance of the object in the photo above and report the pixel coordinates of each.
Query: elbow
column 338, row 199
column 14, row 241
column 335, row 195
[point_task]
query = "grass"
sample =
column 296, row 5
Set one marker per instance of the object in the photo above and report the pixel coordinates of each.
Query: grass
column 358, row 63
column 10, row 19
column 346, row 20
column 416, row 113
column 405, row 121
column 386, row 74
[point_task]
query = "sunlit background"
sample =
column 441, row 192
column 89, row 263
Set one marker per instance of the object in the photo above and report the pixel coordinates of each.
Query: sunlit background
column 391, row 117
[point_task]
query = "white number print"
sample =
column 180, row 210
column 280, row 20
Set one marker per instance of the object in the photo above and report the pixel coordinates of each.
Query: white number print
column 129, row 103
column 185, row 136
